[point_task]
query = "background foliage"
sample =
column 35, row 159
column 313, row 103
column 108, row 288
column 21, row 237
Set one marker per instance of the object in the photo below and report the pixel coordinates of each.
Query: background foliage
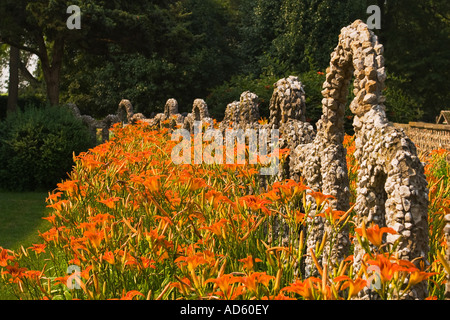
column 150, row 51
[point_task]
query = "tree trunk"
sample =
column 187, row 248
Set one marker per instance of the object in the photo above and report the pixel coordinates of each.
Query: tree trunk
column 13, row 86
column 52, row 82
column 51, row 70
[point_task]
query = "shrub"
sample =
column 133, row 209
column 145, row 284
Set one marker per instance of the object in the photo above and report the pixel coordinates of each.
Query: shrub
column 23, row 103
column 37, row 146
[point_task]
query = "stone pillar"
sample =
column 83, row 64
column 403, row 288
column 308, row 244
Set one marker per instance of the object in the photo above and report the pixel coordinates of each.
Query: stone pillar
column 231, row 116
column 287, row 102
column 392, row 189
column 171, row 108
column 242, row 114
column 125, row 111
column 248, row 109
column 199, row 113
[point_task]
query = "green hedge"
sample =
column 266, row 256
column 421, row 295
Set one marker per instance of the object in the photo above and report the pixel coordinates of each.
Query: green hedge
column 37, row 145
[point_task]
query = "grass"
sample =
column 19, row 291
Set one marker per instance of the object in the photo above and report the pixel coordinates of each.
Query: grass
column 20, row 222
column 21, row 218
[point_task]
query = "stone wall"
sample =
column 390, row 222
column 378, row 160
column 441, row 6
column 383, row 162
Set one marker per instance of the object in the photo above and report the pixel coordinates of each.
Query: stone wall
column 427, row 136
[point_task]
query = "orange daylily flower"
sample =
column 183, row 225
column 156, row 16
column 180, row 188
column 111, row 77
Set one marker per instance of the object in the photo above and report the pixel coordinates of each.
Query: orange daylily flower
column 33, row 274
column 355, row 286
column 331, row 215
column 50, row 219
column 147, row 263
column 192, row 261
column 58, row 206
column 255, row 203
column 153, row 183
column 101, row 218
column 248, row 173
column 130, row 260
column 53, row 196
column 299, row 217
column 386, row 269
column 418, row 276
column 248, row 262
column 197, row 183
column 131, row 294
column 303, row 288
column 264, row 120
column 15, row 272
column 182, row 285
column 214, row 197
column 52, row 234
column 273, row 195
column 218, row 228
column 375, row 233
column 69, row 185
column 90, row 163
column 251, row 282
column 4, row 257
column 108, row 256
column 38, row 248
column 95, row 237
column 320, row 198
column 87, row 226
column 110, row 203
column 292, row 188
column 62, row 280
column 226, row 285
column 279, row 296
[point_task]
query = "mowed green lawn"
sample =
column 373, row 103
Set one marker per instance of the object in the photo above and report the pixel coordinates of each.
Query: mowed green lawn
column 20, row 222
column 21, row 218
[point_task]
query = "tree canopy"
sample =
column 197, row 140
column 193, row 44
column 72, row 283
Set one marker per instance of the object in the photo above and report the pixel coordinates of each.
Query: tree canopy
column 149, row 51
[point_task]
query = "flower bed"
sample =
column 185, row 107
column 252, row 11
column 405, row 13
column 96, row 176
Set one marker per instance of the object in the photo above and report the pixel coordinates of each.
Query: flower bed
column 132, row 225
